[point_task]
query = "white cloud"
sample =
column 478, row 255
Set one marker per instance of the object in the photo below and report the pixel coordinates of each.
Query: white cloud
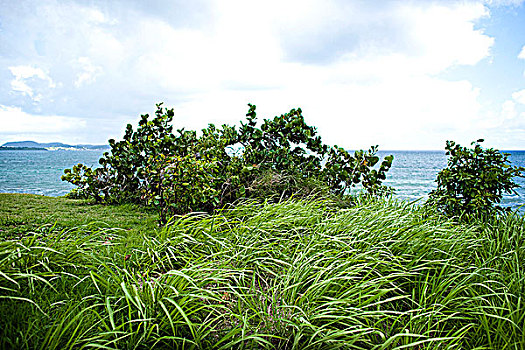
column 508, row 110
column 95, row 16
column 364, row 73
column 522, row 53
column 519, row 96
column 22, row 76
column 366, row 96
column 419, row 113
column 498, row 3
column 14, row 120
column 88, row 72
column 445, row 35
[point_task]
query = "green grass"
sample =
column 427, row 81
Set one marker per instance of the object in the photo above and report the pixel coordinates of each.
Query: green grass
column 293, row 275
column 22, row 213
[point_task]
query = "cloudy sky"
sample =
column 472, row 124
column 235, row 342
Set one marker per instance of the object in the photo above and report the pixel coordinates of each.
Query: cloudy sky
column 401, row 74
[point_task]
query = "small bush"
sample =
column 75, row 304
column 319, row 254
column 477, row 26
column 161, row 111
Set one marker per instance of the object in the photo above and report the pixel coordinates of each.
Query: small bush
column 474, row 181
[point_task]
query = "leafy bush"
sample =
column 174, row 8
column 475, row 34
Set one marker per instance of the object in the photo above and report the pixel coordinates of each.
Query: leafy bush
column 179, row 184
column 183, row 171
column 124, row 170
column 474, row 180
column 87, row 180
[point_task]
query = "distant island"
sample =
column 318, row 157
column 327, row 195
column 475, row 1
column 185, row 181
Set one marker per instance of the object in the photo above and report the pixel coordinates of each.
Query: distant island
column 50, row 146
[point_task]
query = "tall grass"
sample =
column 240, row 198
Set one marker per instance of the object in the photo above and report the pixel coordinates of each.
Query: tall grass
column 292, row 275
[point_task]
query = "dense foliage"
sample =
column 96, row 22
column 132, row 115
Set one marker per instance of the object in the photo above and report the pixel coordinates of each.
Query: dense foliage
column 474, row 180
column 185, row 171
column 292, row 275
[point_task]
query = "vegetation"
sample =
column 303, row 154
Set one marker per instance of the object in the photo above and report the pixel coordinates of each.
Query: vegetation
column 473, row 181
column 298, row 274
column 184, row 172
column 23, row 214
column 285, row 267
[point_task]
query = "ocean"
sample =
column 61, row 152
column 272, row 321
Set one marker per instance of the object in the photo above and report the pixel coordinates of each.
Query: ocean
column 38, row 172
column 412, row 175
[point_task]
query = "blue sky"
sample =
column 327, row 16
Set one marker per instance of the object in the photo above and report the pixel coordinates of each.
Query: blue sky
column 400, row 74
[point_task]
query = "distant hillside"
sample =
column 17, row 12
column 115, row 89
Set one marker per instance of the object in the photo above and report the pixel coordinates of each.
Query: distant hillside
column 60, row 145
column 2, row 148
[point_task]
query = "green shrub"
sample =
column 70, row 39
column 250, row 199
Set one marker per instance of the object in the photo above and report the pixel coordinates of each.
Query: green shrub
column 180, row 184
column 183, row 171
column 87, row 180
column 474, row 180
column 123, row 173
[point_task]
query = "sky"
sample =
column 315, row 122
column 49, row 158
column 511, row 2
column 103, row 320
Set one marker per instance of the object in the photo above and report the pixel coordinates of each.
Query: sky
column 404, row 75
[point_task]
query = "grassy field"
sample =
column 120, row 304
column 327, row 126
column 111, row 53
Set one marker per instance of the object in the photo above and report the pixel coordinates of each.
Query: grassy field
column 23, row 213
column 293, row 275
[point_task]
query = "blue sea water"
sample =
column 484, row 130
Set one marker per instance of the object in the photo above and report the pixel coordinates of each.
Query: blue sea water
column 38, row 172
column 412, row 175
